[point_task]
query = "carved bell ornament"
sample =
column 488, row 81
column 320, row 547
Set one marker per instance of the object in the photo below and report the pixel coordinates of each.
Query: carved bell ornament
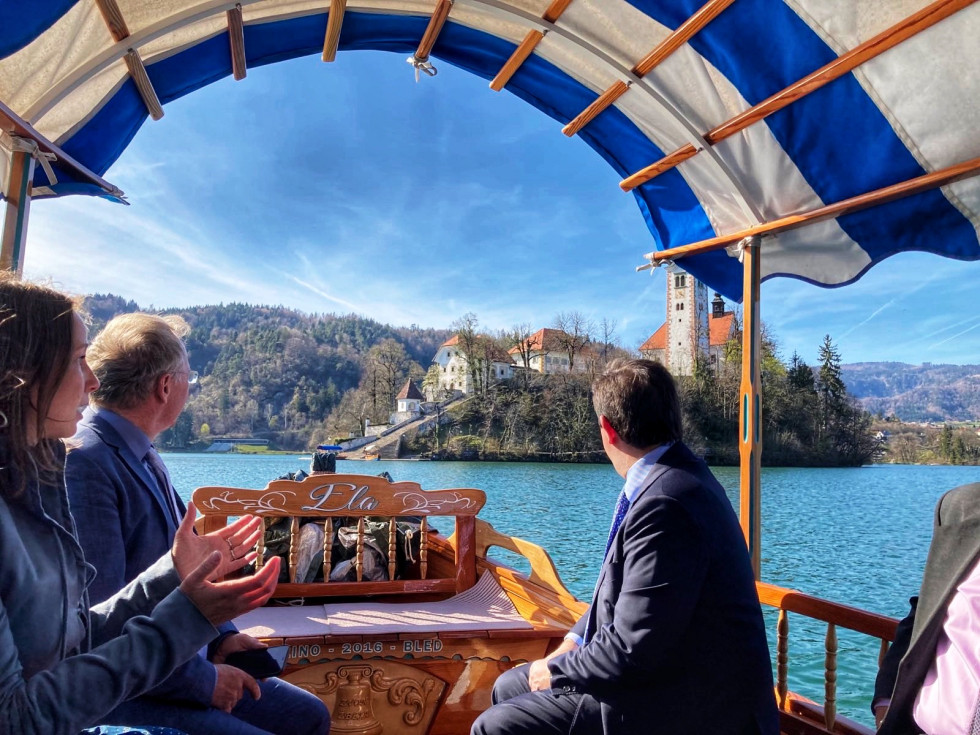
column 353, row 712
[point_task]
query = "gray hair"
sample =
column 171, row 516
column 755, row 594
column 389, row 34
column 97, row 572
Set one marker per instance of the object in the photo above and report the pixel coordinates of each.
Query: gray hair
column 131, row 353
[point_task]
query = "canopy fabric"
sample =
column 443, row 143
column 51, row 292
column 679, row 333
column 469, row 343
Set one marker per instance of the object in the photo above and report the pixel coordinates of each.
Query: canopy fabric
column 910, row 111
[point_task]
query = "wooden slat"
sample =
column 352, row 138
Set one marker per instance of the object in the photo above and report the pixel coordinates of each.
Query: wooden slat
column 750, row 406
column 424, row 547
column 843, row 616
column 392, row 547
column 616, row 90
column 143, row 85
column 655, row 169
column 432, row 31
column 782, row 658
column 830, row 677
column 348, row 589
column 327, row 548
column 555, row 10
column 884, row 195
column 359, row 554
column 527, row 46
column 113, row 18
column 681, row 35
column 335, row 20
column 465, row 553
column 510, row 67
column 293, row 547
column 236, row 40
column 845, row 63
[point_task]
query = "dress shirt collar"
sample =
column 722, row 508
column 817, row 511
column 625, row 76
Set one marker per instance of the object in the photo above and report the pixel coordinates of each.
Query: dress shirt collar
column 137, row 442
column 636, row 475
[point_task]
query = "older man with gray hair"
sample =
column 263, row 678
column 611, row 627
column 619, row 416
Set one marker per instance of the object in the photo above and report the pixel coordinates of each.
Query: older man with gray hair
column 127, row 512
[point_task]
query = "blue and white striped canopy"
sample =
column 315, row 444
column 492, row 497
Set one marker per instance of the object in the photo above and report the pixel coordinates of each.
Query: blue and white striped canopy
column 912, row 110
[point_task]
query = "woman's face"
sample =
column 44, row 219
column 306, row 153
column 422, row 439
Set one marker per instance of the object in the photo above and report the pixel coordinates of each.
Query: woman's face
column 71, row 396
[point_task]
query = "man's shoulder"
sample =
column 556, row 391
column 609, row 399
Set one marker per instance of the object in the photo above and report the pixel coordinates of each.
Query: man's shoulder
column 960, row 503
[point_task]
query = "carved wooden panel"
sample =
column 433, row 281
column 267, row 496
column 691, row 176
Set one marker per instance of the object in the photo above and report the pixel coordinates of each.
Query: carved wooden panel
column 339, row 495
column 373, row 697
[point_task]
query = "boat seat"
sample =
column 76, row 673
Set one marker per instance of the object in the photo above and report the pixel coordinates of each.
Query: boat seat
column 333, row 500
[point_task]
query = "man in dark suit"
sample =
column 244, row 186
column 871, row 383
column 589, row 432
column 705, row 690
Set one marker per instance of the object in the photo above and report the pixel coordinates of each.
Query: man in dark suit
column 673, row 641
column 928, row 680
column 126, row 512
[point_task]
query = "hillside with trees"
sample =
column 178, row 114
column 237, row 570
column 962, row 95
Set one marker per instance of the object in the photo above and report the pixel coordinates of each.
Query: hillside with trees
column 299, row 380
column 919, row 393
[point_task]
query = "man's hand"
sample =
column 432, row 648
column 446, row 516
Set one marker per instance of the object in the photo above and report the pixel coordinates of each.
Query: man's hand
column 237, row 642
column 230, row 686
column 220, row 602
column 539, row 677
column 235, row 542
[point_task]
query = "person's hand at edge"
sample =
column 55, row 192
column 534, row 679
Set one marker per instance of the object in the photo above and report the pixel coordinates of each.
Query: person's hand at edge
column 234, row 643
column 235, row 542
column 220, row 602
column 230, row 686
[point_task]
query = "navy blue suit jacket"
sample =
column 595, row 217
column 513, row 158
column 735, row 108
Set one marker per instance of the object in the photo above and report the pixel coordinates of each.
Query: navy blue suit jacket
column 124, row 525
column 676, row 641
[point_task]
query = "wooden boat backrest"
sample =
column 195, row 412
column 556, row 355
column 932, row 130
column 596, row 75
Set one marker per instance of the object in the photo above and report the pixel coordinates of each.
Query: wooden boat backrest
column 835, row 616
column 325, row 498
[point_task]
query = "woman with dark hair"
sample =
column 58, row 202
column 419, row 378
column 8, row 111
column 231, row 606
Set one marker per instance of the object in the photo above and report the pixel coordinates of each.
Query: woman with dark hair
column 63, row 666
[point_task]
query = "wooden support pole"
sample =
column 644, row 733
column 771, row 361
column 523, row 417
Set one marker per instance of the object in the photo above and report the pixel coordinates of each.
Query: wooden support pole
column 236, row 40
column 681, row 35
column 555, row 10
column 17, row 208
column 335, row 20
column 431, row 35
column 874, row 198
column 520, row 55
column 845, row 63
column 750, row 405
column 113, row 18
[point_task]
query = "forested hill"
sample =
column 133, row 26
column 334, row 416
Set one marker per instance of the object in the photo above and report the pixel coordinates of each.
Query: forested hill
column 924, row 392
column 275, row 372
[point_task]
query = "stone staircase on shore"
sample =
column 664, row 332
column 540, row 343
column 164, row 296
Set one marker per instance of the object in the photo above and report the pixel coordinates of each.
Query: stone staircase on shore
column 389, row 445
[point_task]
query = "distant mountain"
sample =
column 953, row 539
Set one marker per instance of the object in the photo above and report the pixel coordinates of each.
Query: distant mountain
column 924, row 392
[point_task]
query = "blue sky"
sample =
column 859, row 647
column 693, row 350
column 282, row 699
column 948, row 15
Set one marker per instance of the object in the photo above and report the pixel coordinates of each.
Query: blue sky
column 350, row 188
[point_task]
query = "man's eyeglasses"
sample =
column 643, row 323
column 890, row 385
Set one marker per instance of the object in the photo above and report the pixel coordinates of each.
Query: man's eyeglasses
column 192, row 376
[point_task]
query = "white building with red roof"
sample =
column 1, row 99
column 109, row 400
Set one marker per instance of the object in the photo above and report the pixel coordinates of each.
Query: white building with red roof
column 547, row 352
column 454, row 366
column 690, row 327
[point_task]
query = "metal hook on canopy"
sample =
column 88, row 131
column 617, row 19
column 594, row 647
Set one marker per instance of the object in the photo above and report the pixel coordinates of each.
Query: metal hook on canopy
column 422, row 65
column 17, row 144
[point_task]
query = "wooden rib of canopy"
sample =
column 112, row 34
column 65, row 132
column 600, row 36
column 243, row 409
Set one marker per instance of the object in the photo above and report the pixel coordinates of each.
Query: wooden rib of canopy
column 119, row 31
column 681, row 35
column 335, row 20
column 432, row 31
column 527, row 46
column 944, row 176
column 236, row 40
column 845, row 63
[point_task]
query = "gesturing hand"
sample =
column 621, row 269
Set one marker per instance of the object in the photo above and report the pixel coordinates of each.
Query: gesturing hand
column 230, row 686
column 235, row 543
column 219, row 602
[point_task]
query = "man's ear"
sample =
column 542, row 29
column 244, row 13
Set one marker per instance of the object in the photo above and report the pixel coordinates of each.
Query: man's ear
column 604, row 426
column 162, row 387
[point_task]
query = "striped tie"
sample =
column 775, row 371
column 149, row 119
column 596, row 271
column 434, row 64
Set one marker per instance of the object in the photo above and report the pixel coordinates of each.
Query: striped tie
column 622, row 507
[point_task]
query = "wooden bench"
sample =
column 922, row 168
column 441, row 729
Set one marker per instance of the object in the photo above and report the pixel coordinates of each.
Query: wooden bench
column 325, row 498
column 399, row 655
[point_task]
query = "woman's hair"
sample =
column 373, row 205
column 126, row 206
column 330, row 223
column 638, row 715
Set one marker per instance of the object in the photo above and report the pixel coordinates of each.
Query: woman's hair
column 35, row 350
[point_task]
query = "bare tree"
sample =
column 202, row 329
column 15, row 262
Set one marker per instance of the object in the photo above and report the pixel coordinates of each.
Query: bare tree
column 574, row 332
column 519, row 336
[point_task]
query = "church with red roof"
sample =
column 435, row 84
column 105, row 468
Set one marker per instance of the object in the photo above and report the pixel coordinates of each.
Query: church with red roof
column 690, row 327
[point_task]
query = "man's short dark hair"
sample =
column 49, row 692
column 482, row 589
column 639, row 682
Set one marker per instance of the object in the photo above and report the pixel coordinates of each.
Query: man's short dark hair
column 640, row 401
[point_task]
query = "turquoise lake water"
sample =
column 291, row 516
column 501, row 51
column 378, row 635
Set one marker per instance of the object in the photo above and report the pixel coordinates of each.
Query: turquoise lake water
column 857, row 536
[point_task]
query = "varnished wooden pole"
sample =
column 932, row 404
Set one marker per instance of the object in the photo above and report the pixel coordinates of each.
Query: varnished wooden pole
column 948, row 175
column 335, row 21
column 16, row 211
column 750, row 405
